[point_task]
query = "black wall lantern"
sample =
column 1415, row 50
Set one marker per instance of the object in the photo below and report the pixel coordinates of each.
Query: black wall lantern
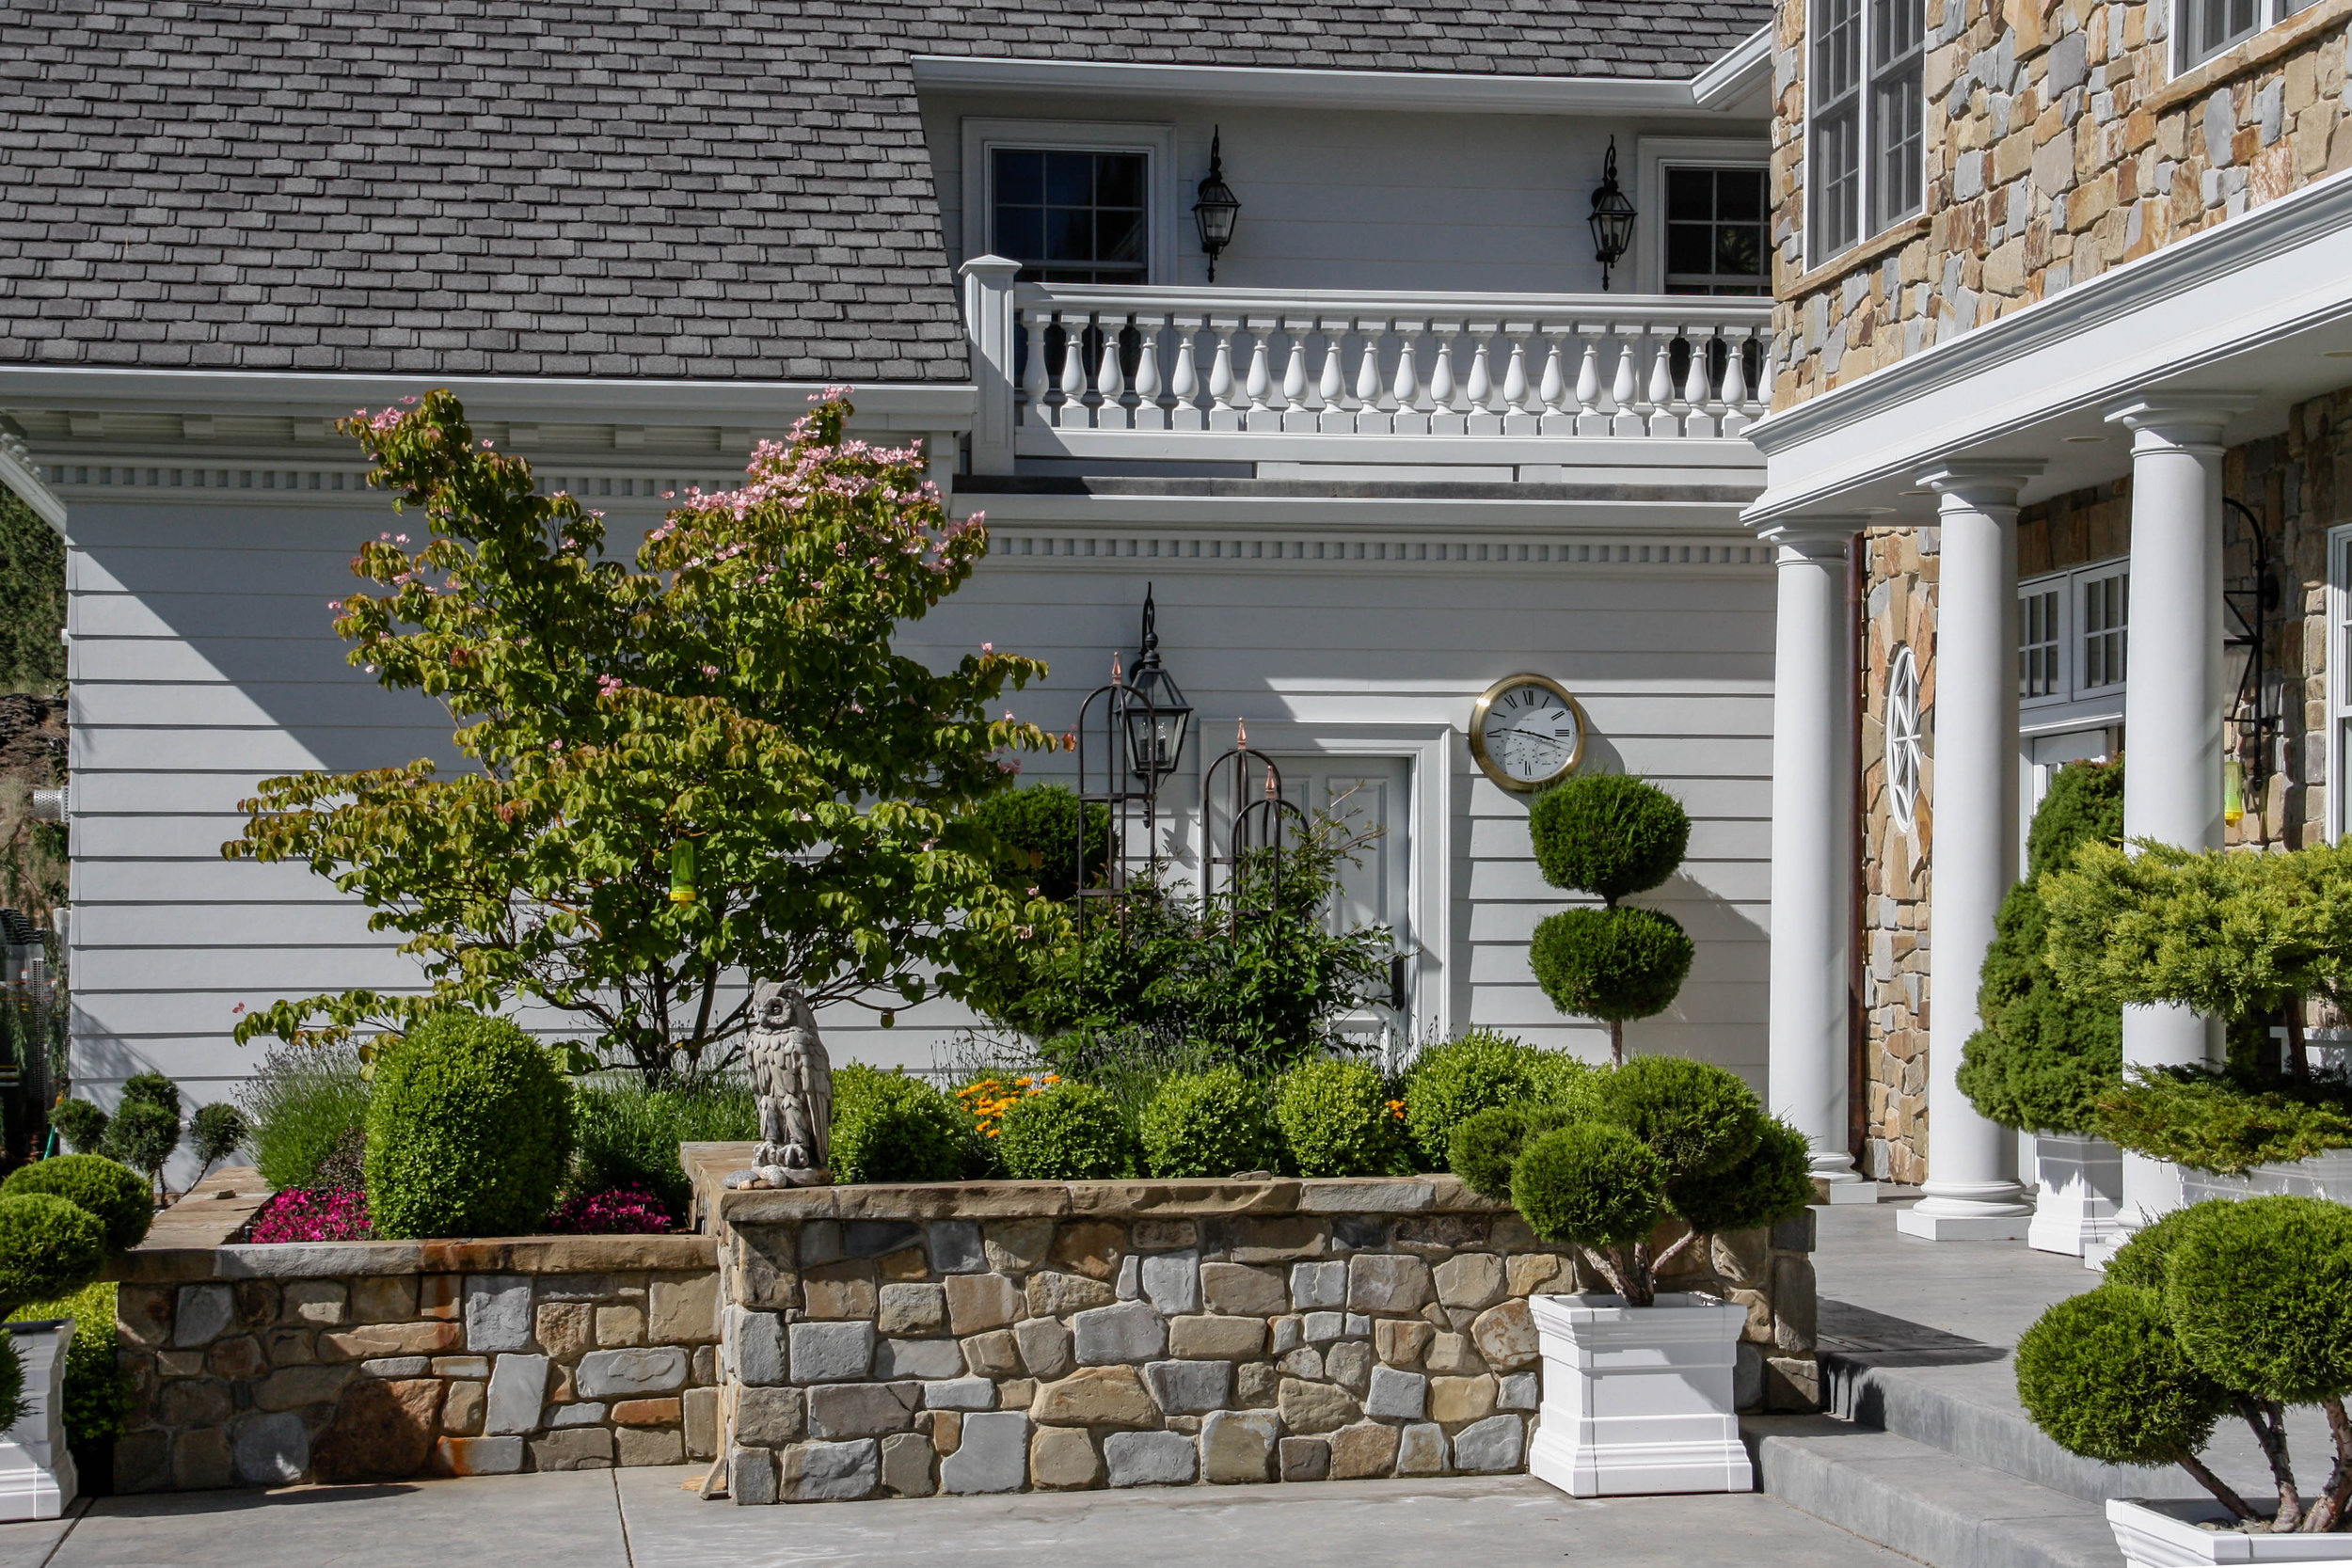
column 1154, row 712
column 1612, row 217
column 1217, row 206
column 1129, row 739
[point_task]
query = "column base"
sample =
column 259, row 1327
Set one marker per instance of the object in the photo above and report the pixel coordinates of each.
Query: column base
column 1847, row 1186
column 1929, row 1225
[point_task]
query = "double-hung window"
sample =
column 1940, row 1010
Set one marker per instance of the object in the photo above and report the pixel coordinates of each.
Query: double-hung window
column 1718, row 231
column 2073, row 636
column 1865, row 155
column 2203, row 28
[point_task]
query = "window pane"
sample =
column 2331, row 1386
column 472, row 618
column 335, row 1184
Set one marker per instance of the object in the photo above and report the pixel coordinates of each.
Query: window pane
column 1835, row 174
column 1836, row 50
column 1070, row 179
column 1687, row 247
column 1020, row 176
column 1019, row 232
column 1119, row 180
column 1118, row 236
column 1690, row 194
column 1048, row 219
column 1721, row 248
column 1069, row 234
column 1739, row 195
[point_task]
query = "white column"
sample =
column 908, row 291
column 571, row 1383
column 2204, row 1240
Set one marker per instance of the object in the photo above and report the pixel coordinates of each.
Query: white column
column 2172, row 707
column 1970, row 1193
column 1812, row 866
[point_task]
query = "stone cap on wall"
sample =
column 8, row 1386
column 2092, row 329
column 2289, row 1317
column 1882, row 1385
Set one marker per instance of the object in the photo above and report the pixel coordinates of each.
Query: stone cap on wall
column 708, row 1164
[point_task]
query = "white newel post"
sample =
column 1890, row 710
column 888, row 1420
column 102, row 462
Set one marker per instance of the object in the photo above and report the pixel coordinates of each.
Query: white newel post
column 1970, row 1193
column 988, row 317
column 1812, row 865
column 2172, row 705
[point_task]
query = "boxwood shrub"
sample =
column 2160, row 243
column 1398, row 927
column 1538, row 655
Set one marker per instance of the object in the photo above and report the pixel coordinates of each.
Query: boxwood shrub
column 470, row 1131
column 1473, row 1071
column 1337, row 1119
column 118, row 1195
column 2105, row 1377
column 895, row 1127
column 1071, row 1133
column 1209, row 1123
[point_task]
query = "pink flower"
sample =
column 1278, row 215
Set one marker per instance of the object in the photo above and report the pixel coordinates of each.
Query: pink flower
column 607, row 685
column 400, row 539
column 988, row 647
column 711, row 670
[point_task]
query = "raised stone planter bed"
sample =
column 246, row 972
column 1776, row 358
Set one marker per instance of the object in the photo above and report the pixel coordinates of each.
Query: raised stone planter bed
column 1002, row 1336
column 381, row 1361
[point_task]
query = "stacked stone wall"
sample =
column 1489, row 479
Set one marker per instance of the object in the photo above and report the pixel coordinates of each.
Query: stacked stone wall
column 1899, row 611
column 341, row 1361
column 2060, row 144
column 904, row 1341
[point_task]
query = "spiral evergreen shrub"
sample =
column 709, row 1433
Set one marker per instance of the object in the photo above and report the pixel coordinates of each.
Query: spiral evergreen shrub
column 1209, row 1123
column 2259, row 1293
column 1474, row 1071
column 2107, row 1378
column 1336, row 1119
column 1071, row 1133
column 1615, row 965
column 1609, row 834
column 1771, row 1181
column 1590, row 1184
column 895, row 1127
column 470, row 1131
column 117, row 1195
column 1486, row 1144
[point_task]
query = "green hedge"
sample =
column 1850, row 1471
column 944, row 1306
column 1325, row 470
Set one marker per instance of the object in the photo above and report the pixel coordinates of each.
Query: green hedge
column 1071, row 1133
column 1209, row 1124
column 895, row 1127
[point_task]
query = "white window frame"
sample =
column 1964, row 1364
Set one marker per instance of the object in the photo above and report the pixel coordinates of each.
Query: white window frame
column 1158, row 143
column 2074, row 705
column 1653, row 157
column 1869, row 222
column 2268, row 14
column 2339, row 658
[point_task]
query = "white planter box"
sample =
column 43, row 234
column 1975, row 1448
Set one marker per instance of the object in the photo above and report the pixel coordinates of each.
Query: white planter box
column 37, row 1478
column 1639, row 1399
column 2082, row 1194
column 2171, row 1534
column 2328, row 1176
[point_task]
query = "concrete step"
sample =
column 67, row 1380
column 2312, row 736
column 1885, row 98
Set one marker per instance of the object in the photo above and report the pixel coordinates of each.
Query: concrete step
column 1922, row 1500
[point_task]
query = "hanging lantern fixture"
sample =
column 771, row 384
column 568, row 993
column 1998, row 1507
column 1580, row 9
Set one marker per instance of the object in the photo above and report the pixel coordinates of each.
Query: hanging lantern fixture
column 1612, row 217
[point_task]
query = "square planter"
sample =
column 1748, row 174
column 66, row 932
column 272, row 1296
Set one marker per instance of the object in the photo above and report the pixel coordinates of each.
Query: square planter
column 2328, row 1176
column 1639, row 1399
column 2082, row 1194
column 2169, row 1533
column 37, row 1478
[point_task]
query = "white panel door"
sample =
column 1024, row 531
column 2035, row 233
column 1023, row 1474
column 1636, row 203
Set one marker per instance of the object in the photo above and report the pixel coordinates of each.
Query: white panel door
column 1372, row 796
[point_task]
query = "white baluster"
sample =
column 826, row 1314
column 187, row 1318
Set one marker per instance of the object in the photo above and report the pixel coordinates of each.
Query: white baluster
column 1698, row 420
column 1073, row 414
column 1371, row 419
column 1407, row 418
column 1736, row 416
column 1260, row 387
column 1520, row 413
column 1331, row 386
column 1445, row 417
column 1184, row 384
column 1663, row 417
column 1554, row 391
column 1033, row 380
column 1479, row 387
column 1111, row 381
column 1223, row 415
column 1592, row 419
column 1294, row 370
column 1150, row 414
column 1625, row 415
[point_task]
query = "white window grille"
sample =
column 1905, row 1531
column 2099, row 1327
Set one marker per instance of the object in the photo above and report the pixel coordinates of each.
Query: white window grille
column 2041, row 645
column 2072, row 645
column 2106, row 614
column 1905, row 752
column 1865, row 144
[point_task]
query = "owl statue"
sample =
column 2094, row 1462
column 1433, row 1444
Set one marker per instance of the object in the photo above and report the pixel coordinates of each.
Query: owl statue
column 793, row 1083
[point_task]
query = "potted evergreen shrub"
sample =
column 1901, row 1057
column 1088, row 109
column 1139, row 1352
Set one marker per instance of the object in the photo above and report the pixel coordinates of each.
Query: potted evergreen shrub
column 2043, row 1056
column 1638, row 1381
column 2224, row 1308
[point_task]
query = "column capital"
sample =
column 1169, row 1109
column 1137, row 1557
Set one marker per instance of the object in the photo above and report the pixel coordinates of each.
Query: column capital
column 996, row 269
column 1980, row 483
column 1820, row 538
column 2189, row 419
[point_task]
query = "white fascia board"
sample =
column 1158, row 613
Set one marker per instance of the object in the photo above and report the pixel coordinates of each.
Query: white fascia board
column 1355, row 516
column 917, row 406
column 2197, row 314
column 1744, row 68
column 1451, row 93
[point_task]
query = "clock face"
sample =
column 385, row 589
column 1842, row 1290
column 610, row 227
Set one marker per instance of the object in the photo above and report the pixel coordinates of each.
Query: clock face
column 1526, row 732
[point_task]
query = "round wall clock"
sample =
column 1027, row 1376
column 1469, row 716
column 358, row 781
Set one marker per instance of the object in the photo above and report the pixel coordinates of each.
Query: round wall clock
column 1527, row 732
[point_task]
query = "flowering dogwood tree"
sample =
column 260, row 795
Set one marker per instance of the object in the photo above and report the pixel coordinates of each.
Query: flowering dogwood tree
column 708, row 767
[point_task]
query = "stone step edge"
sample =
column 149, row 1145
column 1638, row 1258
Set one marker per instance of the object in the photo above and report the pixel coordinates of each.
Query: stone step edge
column 1885, row 1399
column 1796, row 1464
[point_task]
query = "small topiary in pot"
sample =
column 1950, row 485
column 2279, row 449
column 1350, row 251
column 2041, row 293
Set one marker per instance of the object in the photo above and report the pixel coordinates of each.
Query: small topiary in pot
column 1071, row 1133
column 895, row 1127
column 2104, row 1375
column 1211, row 1123
column 2260, row 1292
column 1589, row 1185
column 470, row 1131
column 115, row 1193
column 1337, row 1119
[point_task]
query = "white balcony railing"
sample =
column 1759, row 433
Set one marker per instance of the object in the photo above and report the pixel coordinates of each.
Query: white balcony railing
column 1071, row 370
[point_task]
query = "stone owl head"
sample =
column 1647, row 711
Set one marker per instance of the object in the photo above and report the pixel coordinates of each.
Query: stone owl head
column 776, row 1006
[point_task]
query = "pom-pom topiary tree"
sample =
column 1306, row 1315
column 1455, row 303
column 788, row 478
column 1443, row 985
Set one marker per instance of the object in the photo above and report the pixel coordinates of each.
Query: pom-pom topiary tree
column 122, row 1203
column 1659, row 1137
column 146, row 1125
column 1610, row 836
column 470, row 1131
column 2242, row 1306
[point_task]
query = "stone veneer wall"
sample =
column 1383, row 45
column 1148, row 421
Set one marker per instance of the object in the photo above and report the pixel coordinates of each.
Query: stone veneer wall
column 2058, row 144
column 1899, row 610
column 339, row 1361
column 1002, row 1336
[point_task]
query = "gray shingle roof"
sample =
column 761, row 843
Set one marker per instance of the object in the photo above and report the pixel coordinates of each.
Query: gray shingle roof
column 725, row 189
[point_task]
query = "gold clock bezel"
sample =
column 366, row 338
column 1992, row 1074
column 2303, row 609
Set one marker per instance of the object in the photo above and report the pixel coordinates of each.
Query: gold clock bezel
column 1478, row 733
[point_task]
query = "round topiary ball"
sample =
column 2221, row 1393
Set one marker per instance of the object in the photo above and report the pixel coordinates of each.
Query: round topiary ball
column 1611, row 964
column 1472, row 1072
column 2141, row 1261
column 80, row 1123
column 1588, row 1185
column 1773, row 1183
column 2260, row 1292
column 895, row 1127
column 2104, row 1375
column 1071, row 1133
column 1338, row 1119
column 1608, row 835
column 1486, row 1146
column 1698, row 1118
column 118, row 1195
column 1209, row 1123
column 49, row 1247
column 469, row 1129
